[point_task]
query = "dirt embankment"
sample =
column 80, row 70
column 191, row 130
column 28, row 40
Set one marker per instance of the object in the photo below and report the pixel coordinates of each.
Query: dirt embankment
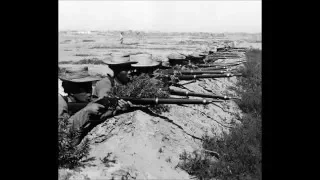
column 144, row 145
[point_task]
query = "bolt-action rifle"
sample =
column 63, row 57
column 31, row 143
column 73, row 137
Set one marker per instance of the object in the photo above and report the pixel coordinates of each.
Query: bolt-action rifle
column 221, row 65
column 112, row 102
column 191, row 77
column 187, row 93
column 171, row 71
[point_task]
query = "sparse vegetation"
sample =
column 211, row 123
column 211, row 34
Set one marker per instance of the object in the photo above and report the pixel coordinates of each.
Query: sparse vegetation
column 89, row 61
column 88, row 40
column 251, row 83
column 143, row 86
column 66, row 62
column 84, row 61
column 83, row 55
column 107, row 160
column 168, row 160
column 240, row 151
column 65, row 41
column 238, row 154
column 70, row 156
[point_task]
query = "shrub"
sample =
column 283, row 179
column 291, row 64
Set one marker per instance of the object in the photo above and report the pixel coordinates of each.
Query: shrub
column 143, row 86
column 252, row 71
column 195, row 165
column 107, row 160
column 89, row 61
column 240, row 151
column 251, row 83
column 66, row 62
column 240, row 155
column 70, row 156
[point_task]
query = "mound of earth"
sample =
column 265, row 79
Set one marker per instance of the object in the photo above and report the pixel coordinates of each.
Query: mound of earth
column 145, row 145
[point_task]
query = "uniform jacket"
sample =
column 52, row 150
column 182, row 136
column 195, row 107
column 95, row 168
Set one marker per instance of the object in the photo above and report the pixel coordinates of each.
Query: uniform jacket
column 81, row 119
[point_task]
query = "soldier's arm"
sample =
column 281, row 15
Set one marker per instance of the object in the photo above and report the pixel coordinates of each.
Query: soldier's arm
column 75, row 121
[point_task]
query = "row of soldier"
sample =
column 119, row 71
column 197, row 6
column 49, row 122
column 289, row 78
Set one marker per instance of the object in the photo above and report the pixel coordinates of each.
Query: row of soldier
column 77, row 84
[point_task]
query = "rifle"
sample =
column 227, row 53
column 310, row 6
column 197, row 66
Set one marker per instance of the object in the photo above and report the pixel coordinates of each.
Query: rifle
column 186, row 93
column 171, row 72
column 223, row 55
column 203, row 72
column 216, row 57
column 212, row 66
column 221, row 65
column 240, row 48
column 112, row 102
column 229, row 64
column 215, row 68
column 190, row 77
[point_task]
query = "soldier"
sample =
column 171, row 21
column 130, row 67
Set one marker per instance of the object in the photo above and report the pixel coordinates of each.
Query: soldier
column 121, row 37
column 77, row 84
column 146, row 63
column 120, row 65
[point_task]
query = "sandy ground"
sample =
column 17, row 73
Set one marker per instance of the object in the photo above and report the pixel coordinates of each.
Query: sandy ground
column 77, row 47
column 145, row 145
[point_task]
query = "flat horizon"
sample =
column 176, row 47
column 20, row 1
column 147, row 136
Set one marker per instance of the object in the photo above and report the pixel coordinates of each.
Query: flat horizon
column 155, row 31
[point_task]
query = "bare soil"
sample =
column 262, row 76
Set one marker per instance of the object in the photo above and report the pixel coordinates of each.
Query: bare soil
column 140, row 144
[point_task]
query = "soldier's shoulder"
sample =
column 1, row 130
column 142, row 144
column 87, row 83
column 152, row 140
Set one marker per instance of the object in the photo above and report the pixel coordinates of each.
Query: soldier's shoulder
column 106, row 79
column 61, row 98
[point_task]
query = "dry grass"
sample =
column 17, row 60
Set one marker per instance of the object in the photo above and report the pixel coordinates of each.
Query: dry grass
column 241, row 149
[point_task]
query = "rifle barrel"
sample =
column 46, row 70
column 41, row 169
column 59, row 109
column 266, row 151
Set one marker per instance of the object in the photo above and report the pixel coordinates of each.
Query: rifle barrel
column 229, row 64
column 213, row 68
column 146, row 101
column 202, row 72
column 218, row 56
column 190, row 77
column 196, row 72
column 186, row 93
column 236, row 74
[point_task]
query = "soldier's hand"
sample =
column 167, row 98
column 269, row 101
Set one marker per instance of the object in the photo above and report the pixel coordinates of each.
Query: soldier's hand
column 124, row 105
column 94, row 108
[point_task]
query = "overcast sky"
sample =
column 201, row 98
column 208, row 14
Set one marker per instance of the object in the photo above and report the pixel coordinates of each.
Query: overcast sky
column 166, row 16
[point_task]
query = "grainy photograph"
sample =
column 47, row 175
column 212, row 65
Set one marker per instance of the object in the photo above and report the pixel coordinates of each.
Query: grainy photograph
column 159, row 90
